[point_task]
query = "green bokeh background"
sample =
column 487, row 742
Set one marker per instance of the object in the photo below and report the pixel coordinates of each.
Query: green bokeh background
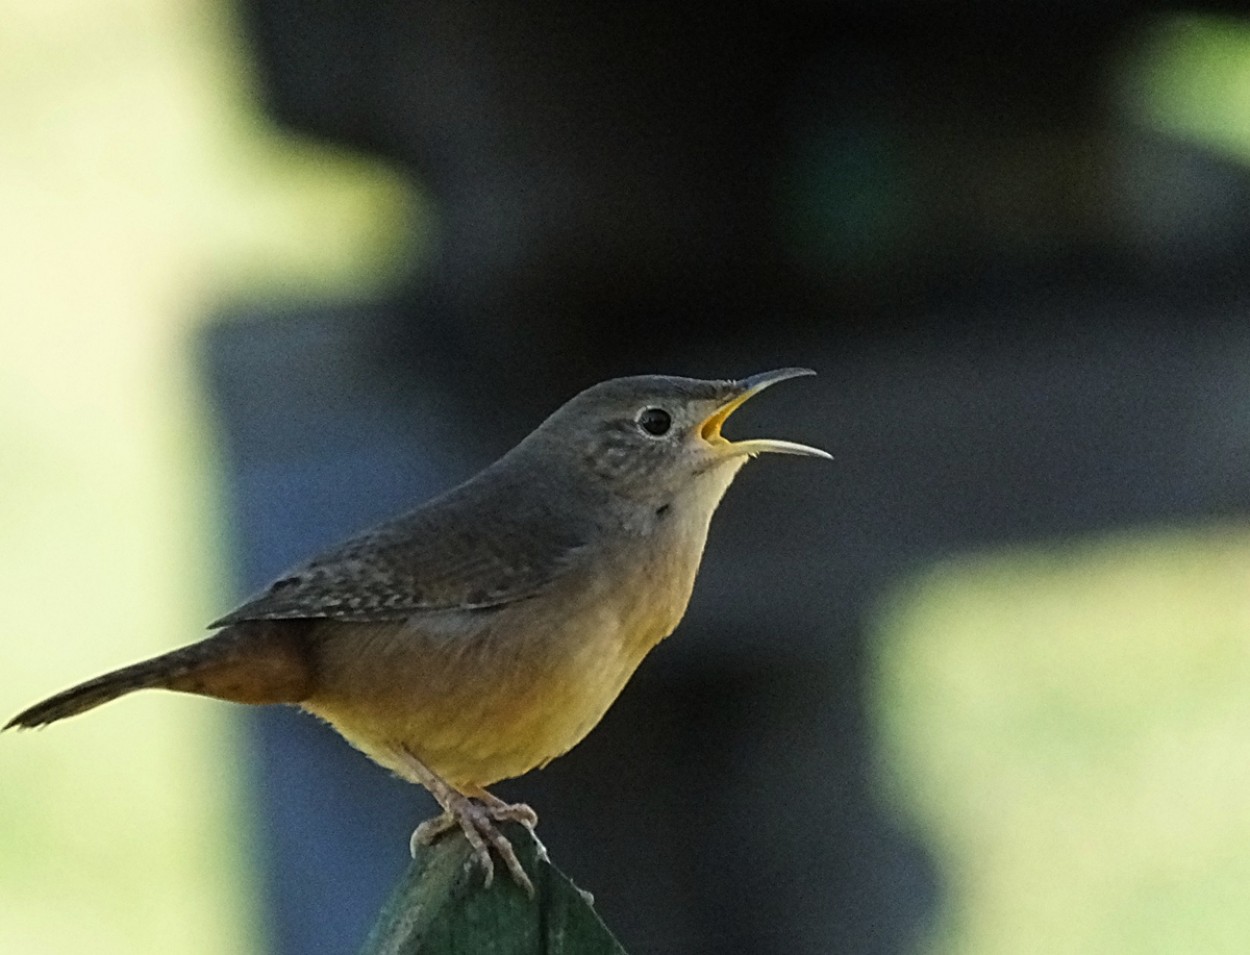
column 1066, row 726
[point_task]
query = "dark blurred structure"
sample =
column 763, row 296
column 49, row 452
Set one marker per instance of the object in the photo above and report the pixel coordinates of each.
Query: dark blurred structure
column 1023, row 309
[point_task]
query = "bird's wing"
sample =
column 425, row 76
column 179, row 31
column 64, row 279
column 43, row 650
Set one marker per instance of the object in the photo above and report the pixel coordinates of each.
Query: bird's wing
column 474, row 548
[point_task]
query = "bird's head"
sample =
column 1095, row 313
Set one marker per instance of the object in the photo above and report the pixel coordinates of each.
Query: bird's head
column 651, row 437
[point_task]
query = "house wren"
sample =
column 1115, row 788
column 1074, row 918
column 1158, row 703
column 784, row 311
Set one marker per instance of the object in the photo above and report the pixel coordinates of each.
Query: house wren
column 487, row 632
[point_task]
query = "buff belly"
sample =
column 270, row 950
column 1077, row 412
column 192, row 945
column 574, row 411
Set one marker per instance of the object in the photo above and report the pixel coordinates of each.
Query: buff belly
column 484, row 696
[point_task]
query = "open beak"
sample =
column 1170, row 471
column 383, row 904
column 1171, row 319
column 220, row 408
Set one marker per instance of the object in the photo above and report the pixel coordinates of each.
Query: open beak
column 709, row 430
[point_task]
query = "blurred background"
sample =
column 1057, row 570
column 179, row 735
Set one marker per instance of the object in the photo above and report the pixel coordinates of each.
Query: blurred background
column 273, row 270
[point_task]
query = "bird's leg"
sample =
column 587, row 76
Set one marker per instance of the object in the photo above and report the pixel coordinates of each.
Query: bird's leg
column 476, row 818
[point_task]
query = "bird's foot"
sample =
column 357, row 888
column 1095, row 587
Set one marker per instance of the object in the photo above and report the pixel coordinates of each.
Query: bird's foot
column 515, row 812
column 508, row 811
column 476, row 819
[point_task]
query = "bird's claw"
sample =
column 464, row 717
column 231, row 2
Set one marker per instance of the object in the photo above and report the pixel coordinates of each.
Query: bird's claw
column 431, row 829
column 477, row 819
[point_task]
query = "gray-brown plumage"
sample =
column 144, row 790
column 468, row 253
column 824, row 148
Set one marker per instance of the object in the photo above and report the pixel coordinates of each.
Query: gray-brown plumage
column 486, row 632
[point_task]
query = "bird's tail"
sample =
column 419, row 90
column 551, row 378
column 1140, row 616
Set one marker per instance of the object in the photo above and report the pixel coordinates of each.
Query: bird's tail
column 254, row 662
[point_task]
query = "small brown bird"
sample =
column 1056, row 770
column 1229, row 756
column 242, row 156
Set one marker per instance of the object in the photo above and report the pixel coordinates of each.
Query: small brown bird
column 487, row 632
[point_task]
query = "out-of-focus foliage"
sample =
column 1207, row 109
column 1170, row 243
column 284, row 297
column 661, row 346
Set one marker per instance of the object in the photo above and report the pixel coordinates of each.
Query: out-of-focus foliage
column 1068, row 728
column 1190, row 76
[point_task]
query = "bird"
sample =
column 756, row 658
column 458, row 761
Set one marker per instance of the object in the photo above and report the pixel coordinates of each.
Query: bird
column 486, row 632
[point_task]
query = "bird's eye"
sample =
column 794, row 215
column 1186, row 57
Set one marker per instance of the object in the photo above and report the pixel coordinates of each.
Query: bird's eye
column 655, row 421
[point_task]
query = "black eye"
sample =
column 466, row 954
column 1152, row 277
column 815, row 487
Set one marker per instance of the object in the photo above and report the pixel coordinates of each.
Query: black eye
column 655, row 421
